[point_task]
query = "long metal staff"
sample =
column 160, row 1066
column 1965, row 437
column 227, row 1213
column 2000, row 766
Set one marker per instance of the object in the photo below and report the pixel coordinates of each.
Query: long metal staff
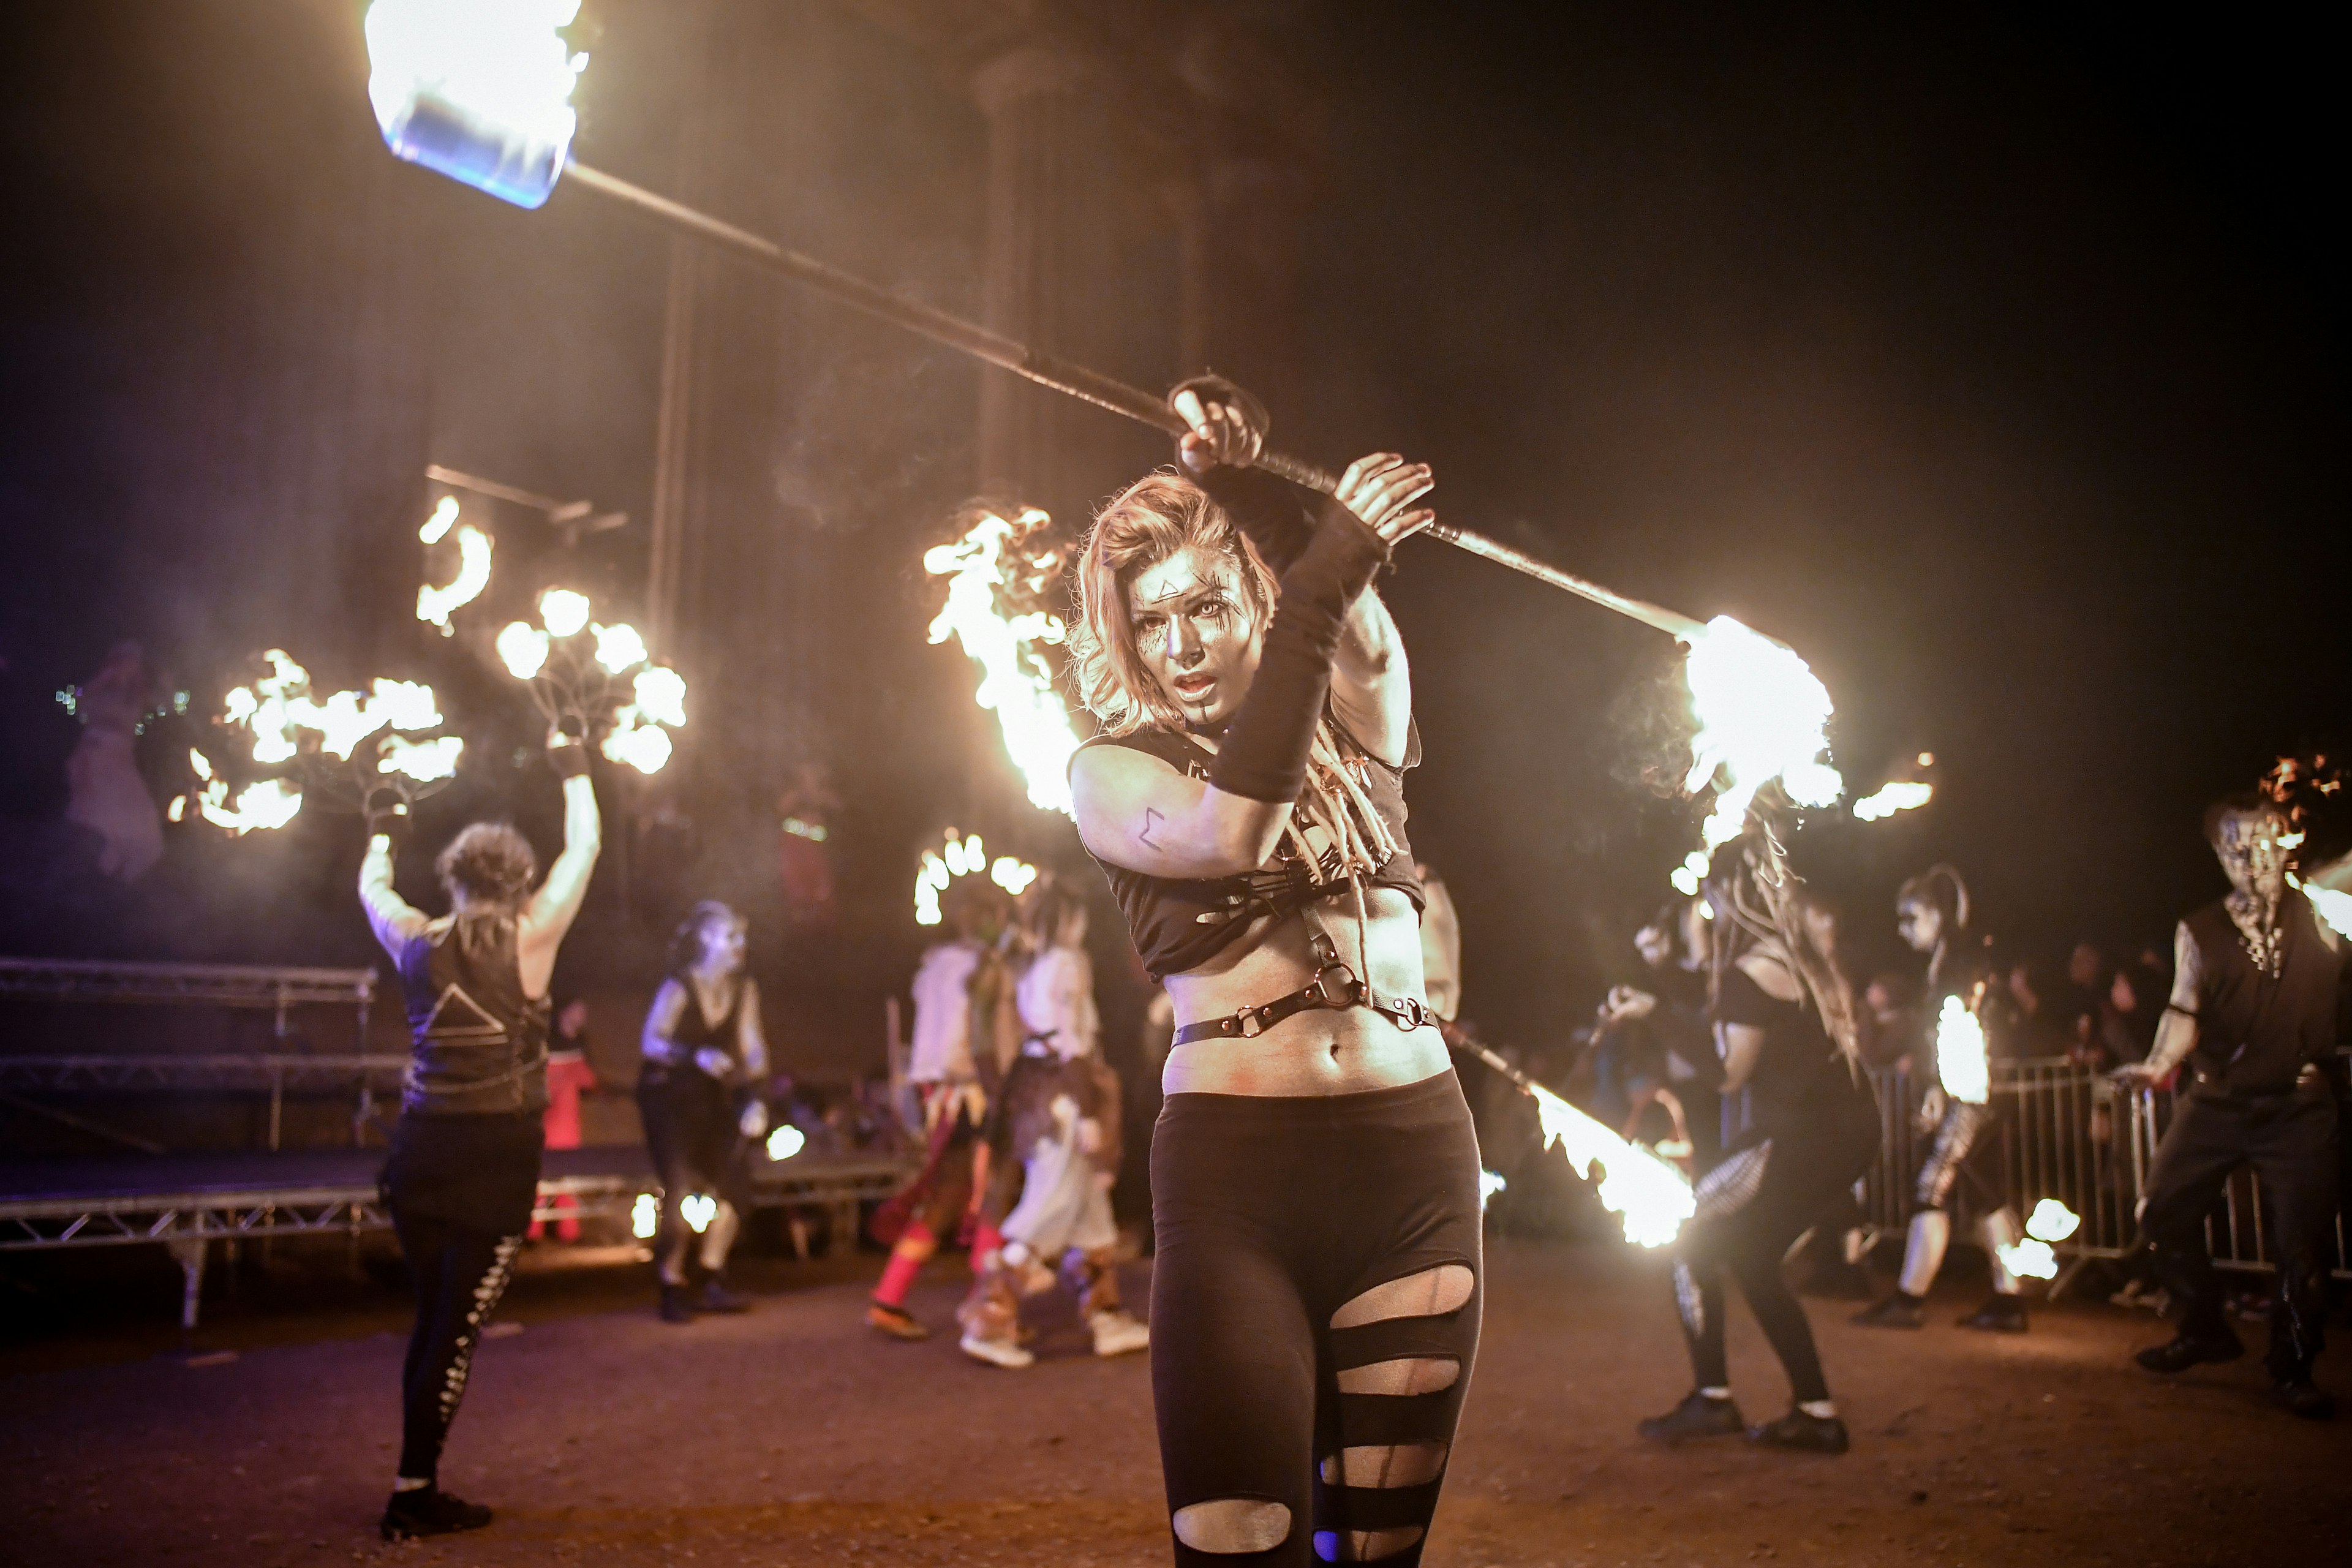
column 1063, row 375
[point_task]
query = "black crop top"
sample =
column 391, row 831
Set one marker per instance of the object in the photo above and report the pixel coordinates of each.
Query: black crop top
column 1179, row 924
column 1796, row 1063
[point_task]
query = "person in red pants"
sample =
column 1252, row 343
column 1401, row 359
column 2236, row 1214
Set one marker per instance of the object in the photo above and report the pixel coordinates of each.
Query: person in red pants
column 569, row 1076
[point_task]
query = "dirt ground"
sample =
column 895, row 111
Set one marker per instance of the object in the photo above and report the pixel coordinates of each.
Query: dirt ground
column 794, row 1435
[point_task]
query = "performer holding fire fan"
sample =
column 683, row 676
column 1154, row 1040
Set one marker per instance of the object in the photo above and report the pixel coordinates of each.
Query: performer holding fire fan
column 2256, row 1011
column 464, row 1168
column 1315, row 1301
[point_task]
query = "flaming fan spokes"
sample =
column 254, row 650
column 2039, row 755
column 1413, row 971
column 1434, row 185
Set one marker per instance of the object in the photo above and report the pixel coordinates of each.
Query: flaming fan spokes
column 1961, row 1061
column 1763, row 716
column 984, row 572
column 285, row 723
column 2033, row 1258
column 597, row 680
column 479, row 90
column 434, row 605
column 964, row 856
column 1654, row 1197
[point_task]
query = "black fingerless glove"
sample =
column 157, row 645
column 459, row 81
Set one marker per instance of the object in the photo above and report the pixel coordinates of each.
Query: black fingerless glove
column 1263, row 753
column 387, row 814
column 1266, row 509
column 569, row 762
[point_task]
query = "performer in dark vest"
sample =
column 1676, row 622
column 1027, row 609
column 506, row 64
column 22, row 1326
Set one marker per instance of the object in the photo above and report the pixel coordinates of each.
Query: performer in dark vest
column 463, row 1173
column 2255, row 1016
column 1314, row 1172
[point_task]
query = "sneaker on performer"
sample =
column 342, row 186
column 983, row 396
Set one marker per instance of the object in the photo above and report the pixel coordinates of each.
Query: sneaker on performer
column 991, row 1320
column 1118, row 1333
column 429, row 1510
column 1701, row 1415
column 1802, row 1432
column 2000, row 1315
column 894, row 1320
column 2185, row 1349
column 717, row 1298
column 1900, row 1311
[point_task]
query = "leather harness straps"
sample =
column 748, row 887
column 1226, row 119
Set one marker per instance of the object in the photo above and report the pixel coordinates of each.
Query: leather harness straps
column 1335, row 986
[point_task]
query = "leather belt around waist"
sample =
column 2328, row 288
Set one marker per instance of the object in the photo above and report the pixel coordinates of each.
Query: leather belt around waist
column 1335, row 988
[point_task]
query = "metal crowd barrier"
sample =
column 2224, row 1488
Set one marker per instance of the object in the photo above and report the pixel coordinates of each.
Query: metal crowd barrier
column 2070, row 1134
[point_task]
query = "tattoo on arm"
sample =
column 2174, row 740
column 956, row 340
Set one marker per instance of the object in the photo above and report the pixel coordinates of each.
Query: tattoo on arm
column 1152, row 819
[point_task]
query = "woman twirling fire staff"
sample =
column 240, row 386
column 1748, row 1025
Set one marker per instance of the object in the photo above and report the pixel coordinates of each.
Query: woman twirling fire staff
column 1314, row 1177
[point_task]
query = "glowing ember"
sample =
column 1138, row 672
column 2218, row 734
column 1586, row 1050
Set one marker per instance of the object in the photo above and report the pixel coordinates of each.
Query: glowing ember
column 1015, row 683
column 443, row 514
column 434, row 604
column 1900, row 795
column 423, row 761
column 2331, row 906
column 523, row 649
column 660, row 695
column 1652, row 1196
column 562, row 612
column 644, row 1217
column 1960, row 1054
column 617, row 647
column 1762, row 715
column 698, row 1210
column 964, row 857
column 478, row 89
column 786, row 1141
column 2052, row 1221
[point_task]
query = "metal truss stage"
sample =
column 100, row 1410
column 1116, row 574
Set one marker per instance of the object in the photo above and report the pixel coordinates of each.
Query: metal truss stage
column 186, row 1201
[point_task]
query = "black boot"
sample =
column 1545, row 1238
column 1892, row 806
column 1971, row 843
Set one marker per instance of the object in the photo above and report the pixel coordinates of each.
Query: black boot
column 677, row 1306
column 2185, row 1349
column 1802, row 1433
column 717, row 1298
column 1900, row 1311
column 429, row 1510
column 1699, row 1415
column 2001, row 1315
column 2301, row 1398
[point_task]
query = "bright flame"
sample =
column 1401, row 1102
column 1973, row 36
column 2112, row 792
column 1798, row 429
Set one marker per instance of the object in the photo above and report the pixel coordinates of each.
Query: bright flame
column 644, row 1217
column 434, row 604
column 443, row 514
column 269, row 803
column 964, row 857
column 786, row 1141
column 1013, row 876
column 277, row 707
column 177, row 810
column 1654, row 1197
column 617, row 647
column 1960, row 1054
column 2052, row 1221
column 479, row 90
column 645, row 747
column 1489, row 1184
column 2030, row 1258
column 1015, row 683
column 562, row 612
column 423, row 761
column 2331, row 906
column 660, row 695
column 523, row 649
column 1762, row 714
column 1900, row 795
column 698, row 1209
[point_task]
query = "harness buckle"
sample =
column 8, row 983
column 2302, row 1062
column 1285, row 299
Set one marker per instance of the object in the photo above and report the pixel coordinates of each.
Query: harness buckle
column 1250, row 1022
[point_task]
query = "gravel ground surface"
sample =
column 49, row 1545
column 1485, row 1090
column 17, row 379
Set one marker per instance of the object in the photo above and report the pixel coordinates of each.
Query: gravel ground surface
column 796, row 1436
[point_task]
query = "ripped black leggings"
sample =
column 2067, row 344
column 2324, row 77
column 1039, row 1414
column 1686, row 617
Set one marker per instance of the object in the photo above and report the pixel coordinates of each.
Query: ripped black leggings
column 1314, row 1302
column 459, row 1274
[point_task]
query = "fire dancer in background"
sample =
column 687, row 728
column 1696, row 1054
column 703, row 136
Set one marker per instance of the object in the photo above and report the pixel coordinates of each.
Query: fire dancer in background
column 2255, row 1014
column 953, row 1046
column 1963, row 1162
column 1054, row 1129
column 1783, row 1022
column 700, row 1093
column 569, row 1076
column 1653, row 1041
column 463, row 1170
column 1314, row 1175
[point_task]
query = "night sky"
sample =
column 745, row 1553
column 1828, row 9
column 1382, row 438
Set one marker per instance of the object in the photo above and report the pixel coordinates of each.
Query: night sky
column 1989, row 362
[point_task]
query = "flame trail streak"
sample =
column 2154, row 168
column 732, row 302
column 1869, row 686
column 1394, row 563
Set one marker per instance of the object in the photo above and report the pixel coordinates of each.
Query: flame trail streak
column 1960, row 1054
column 1654, row 1197
column 434, row 604
column 2333, row 906
column 1015, row 683
column 1900, row 795
column 1762, row 715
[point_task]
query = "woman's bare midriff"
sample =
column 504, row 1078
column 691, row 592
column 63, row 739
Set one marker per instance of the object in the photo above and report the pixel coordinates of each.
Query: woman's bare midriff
column 1319, row 1051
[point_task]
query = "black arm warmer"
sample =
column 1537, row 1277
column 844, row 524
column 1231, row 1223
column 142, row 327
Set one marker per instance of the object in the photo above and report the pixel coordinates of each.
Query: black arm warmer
column 1269, row 511
column 1263, row 753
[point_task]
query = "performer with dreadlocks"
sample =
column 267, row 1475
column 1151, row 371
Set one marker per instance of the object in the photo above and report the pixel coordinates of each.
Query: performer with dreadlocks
column 2256, row 1011
column 1784, row 1026
column 1931, row 912
column 698, row 1090
column 463, row 1175
column 1315, row 1298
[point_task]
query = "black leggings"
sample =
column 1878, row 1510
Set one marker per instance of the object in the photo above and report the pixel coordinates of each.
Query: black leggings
column 1752, row 1209
column 459, row 1275
column 1273, row 1218
column 697, row 1146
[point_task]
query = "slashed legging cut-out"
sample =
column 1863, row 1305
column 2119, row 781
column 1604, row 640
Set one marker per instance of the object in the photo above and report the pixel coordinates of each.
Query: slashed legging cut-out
column 1314, row 1302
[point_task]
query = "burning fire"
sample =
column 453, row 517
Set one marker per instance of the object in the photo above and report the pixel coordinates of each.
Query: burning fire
column 786, row 1141
column 2331, row 906
column 698, row 1209
column 1654, row 1197
column 1762, row 715
column 572, row 680
column 1900, row 795
column 644, row 1217
column 1489, row 1184
column 478, row 89
column 267, row 803
column 1014, row 681
column 1960, row 1054
column 434, row 604
column 2032, row 1258
column 963, row 857
column 278, row 709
